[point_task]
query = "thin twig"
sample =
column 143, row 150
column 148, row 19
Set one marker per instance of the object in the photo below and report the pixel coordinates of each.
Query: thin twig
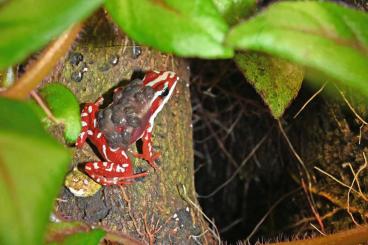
column 348, row 203
column 319, row 231
column 310, row 100
column 183, row 193
column 364, row 123
column 237, row 171
column 350, row 106
column 127, row 199
column 232, row 126
column 309, row 219
column 300, row 162
column 358, row 184
column 220, row 143
column 364, row 166
column 231, row 225
column 337, row 180
column 294, row 152
column 269, row 212
column 198, row 236
column 333, row 177
column 316, row 214
column 44, row 107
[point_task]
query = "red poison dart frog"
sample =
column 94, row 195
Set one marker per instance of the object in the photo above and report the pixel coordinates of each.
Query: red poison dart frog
column 128, row 118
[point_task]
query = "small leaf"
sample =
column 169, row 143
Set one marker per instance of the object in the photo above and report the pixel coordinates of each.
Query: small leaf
column 234, row 10
column 73, row 233
column 32, row 168
column 27, row 25
column 326, row 37
column 276, row 80
column 65, row 107
column 186, row 28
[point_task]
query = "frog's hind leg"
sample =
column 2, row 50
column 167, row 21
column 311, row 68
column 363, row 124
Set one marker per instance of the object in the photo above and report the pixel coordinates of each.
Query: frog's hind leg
column 110, row 173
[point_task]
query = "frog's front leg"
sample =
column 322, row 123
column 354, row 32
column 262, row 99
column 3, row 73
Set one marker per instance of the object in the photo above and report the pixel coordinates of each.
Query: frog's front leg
column 147, row 149
column 88, row 118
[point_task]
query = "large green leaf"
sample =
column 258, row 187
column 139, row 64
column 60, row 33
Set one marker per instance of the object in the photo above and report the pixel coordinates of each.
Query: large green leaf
column 65, row 107
column 234, row 10
column 330, row 39
column 187, row 28
column 32, row 166
column 276, row 80
column 27, row 25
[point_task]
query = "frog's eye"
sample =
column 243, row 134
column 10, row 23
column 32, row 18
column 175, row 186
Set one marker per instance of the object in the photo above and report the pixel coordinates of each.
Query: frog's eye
column 165, row 92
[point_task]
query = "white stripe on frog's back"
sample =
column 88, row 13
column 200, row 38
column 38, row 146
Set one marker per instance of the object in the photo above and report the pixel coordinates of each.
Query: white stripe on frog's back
column 161, row 78
column 163, row 102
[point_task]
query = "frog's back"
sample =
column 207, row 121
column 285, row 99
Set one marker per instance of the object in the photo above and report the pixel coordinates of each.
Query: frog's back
column 125, row 119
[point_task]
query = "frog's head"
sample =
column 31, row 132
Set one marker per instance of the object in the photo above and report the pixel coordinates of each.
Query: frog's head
column 163, row 84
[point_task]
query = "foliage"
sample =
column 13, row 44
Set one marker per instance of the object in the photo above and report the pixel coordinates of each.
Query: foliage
column 64, row 107
column 27, row 25
column 234, row 10
column 186, row 28
column 325, row 38
column 330, row 40
column 277, row 81
column 32, row 167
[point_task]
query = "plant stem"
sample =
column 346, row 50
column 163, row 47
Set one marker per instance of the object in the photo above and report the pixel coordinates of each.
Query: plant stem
column 43, row 66
column 354, row 236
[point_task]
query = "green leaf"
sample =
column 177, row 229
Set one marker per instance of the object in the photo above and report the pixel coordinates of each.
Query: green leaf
column 276, row 80
column 72, row 233
column 328, row 38
column 65, row 107
column 27, row 25
column 234, row 10
column 32, row 168
column 186, row 28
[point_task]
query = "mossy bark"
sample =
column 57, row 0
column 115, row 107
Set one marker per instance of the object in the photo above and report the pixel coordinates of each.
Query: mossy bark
column 332, row 142
column 154, row 209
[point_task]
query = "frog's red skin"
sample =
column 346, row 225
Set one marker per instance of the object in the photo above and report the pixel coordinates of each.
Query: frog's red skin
column 117, row 168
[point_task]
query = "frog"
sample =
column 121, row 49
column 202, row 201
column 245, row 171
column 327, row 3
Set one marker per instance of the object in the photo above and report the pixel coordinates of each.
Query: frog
column 128, row 118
